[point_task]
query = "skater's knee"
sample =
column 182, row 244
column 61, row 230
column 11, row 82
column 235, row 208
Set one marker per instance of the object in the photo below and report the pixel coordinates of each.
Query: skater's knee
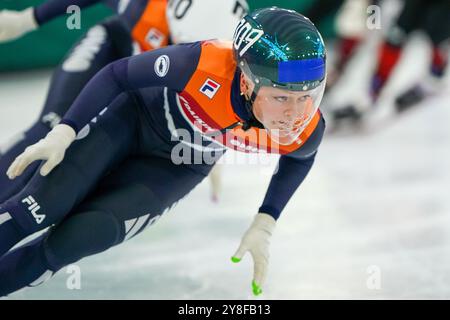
column 82, row 235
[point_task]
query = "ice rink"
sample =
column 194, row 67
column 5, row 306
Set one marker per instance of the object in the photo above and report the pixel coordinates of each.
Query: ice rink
column 375, row 206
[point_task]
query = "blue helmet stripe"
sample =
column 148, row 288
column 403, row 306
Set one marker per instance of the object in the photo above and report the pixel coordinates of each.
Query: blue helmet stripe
column 301, row 70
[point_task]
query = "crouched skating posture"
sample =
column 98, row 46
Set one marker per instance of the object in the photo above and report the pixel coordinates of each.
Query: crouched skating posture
column 103, row 181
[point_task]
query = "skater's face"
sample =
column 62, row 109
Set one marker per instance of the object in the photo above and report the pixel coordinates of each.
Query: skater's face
column 283, row 113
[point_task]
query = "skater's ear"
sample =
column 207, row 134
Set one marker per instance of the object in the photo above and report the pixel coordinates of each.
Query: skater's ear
column 246, row 85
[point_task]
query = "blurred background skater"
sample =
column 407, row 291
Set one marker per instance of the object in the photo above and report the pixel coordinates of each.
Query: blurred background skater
column 430, row 18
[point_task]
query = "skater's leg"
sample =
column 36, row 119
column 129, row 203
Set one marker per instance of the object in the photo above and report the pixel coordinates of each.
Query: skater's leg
column 24, row 266
column 391, row 48
column 102, row 44
column 47, row 200
column 10, row 233
column 34, row 263
column 128, row 200
column 437, row 27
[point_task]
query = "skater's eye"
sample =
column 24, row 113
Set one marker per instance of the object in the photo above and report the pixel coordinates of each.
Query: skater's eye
column 281, row 98
column 304, row 98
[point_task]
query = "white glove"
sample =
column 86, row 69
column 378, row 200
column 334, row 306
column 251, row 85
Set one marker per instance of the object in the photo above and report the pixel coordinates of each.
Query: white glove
column 256, row 240
column 14, row 24
column 52, row 148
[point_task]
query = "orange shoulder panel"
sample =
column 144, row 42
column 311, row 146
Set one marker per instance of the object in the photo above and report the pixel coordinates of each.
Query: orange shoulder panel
column 217, row 58
column 217, row 66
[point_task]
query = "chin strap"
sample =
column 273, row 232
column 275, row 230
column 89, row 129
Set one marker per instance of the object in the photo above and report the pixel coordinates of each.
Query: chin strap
column 252, row 122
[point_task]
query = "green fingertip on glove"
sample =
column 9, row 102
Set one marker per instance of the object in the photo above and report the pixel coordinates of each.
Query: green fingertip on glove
column 256, row 289
column 235, row 260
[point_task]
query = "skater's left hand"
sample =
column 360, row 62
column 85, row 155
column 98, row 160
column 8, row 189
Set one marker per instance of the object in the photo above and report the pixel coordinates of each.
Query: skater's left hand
column 256, row 241
column 51, row 149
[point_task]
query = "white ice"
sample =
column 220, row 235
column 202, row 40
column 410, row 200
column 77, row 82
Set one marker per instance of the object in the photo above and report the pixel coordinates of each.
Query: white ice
column 373, row 205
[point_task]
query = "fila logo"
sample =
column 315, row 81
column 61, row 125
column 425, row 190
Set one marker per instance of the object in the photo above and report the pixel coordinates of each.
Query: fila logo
column 210, row 88
column 155, row 38
column 34, row 207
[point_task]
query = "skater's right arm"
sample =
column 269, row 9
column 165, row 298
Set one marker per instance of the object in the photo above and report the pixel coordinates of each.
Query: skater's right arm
column 170, row 67
column 14, row 24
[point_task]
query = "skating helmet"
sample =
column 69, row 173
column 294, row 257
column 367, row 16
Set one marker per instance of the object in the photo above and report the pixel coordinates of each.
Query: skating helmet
column 282, row 49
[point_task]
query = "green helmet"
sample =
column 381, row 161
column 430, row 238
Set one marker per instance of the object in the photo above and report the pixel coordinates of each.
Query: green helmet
column 280, row 48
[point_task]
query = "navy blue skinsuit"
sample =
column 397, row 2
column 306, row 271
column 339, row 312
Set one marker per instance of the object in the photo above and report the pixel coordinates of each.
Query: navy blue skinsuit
column 119, row 176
